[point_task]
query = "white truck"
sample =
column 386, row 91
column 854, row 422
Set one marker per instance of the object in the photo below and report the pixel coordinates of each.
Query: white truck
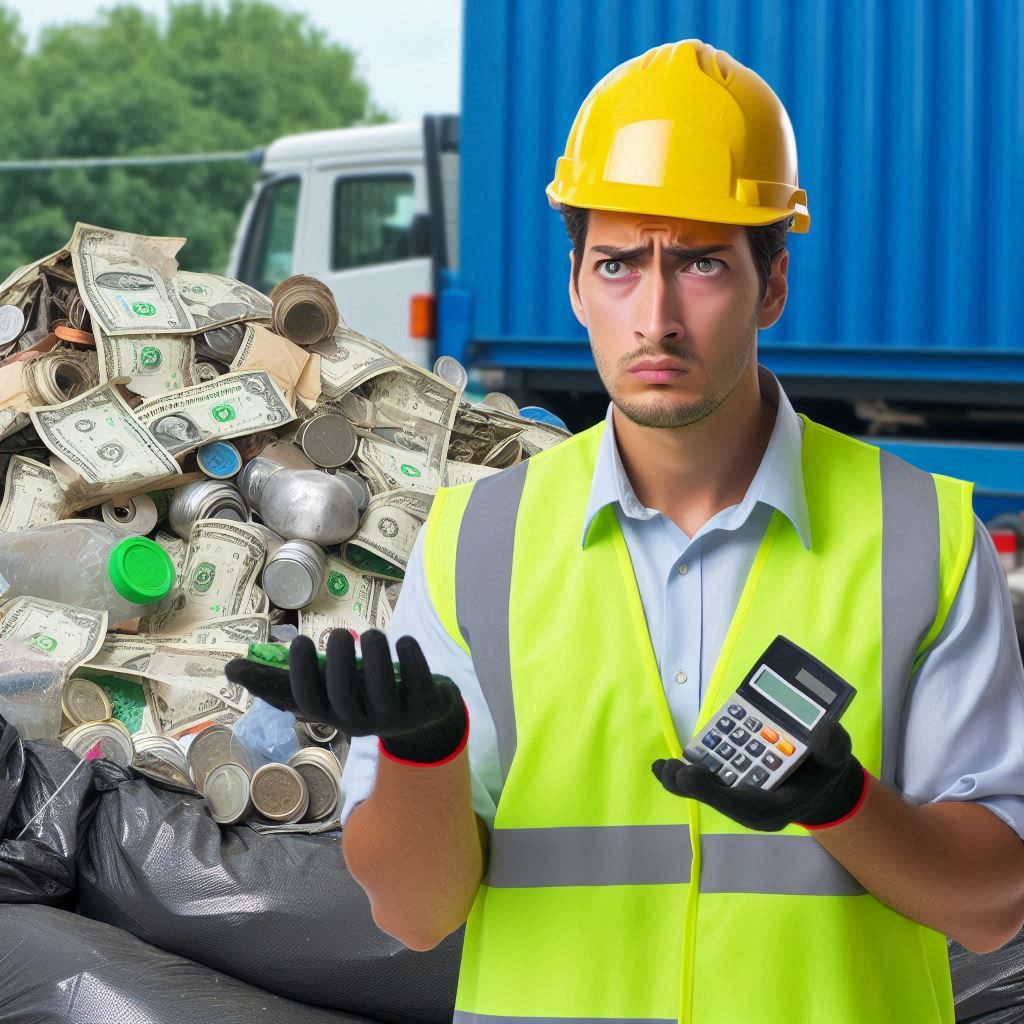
column 372, row 212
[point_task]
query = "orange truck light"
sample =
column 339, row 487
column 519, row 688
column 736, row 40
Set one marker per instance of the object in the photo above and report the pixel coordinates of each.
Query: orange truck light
column 421, row 316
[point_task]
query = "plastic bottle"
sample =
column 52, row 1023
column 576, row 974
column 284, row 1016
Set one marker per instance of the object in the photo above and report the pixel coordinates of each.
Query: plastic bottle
column 88, row 564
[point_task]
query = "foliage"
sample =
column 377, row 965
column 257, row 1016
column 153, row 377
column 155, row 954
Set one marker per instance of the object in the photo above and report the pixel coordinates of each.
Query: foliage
column 206, row 78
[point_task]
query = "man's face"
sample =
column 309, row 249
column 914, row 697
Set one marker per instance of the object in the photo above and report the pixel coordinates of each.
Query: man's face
column 672, row 309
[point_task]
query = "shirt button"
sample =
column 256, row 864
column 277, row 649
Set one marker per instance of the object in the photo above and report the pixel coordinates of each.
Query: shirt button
column 683, row 569
column 680, row 676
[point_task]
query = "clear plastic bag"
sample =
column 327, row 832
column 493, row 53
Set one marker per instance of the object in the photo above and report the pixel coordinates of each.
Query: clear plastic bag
column 30, row 696
column 267, row 733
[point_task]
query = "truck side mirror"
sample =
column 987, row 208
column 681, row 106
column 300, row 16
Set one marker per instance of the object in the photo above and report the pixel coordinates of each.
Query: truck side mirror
column 419, row 235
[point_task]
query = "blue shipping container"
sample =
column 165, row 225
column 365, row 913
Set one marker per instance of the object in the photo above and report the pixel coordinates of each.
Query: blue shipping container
column 909, row 118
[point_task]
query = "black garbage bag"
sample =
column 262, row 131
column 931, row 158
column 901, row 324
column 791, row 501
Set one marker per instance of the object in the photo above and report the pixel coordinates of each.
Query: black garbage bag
column 279, row 911
column 59, row 968
column 40, row 867
column 989, row 987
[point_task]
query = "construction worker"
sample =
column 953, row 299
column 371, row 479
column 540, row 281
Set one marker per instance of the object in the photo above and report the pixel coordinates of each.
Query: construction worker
column 591, row 608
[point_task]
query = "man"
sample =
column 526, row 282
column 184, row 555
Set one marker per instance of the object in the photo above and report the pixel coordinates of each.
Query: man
column 598, row 604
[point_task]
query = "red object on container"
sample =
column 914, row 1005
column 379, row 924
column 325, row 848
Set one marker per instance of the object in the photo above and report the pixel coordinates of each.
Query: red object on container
column 1005, row 541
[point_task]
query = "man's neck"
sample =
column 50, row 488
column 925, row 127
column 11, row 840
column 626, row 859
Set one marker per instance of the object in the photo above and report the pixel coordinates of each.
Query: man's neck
column 691, row 473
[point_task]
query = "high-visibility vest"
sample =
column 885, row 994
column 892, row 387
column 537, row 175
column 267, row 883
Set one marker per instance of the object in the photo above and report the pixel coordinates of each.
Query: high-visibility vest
column 606, row 897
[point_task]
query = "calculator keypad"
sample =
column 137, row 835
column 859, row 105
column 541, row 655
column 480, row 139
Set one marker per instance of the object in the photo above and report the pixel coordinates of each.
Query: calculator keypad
column 746, row 751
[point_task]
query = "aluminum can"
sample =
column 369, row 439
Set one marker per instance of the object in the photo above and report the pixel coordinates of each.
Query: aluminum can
column 227, row 793
column 82, row 701
column 328, row 440
column 292, row 578
column 204, row 499
column 321, row 771
column 114, row 741
column 279, row 793
column 309, row 505
column 138, row 514
column 215, row 745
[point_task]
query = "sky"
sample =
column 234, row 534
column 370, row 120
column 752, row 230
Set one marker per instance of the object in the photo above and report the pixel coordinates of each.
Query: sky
column 409, row 50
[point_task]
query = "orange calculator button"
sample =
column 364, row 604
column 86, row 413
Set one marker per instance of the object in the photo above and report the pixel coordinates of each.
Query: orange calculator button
column 769, row 734
column 786, row 747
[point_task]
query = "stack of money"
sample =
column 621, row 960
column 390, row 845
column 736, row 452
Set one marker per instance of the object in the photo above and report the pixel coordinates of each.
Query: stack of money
column 284, row 461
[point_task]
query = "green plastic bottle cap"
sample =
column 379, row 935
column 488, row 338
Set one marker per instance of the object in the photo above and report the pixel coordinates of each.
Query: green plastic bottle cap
column 141, row 571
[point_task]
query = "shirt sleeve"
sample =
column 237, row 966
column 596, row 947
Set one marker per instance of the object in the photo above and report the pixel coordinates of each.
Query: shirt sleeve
column 965, row 715
column 414, row 615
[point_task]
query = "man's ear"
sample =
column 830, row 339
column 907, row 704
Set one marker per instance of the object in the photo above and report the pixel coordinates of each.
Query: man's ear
column 574, row 292
column 774, row 300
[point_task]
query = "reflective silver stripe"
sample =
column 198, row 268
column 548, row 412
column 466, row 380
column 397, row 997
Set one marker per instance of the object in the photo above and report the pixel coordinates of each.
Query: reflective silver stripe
column 910, row 588
column 483, row 583
column 600, row 855
column 777, row 865
column 462, row 1017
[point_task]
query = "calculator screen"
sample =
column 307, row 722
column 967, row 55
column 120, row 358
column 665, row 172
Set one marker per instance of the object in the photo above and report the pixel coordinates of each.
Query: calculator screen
column 777, row 690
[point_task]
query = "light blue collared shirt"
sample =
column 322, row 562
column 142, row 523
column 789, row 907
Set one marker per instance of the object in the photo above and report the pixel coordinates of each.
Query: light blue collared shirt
column 965, row 714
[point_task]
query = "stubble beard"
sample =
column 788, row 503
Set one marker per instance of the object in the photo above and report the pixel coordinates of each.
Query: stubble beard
column 660, row 412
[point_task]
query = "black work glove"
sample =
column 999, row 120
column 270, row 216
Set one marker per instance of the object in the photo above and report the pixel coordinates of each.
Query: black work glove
column 418, row 717
column 824, row 788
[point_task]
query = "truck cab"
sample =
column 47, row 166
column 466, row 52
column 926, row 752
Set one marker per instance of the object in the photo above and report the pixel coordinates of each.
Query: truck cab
column 371, row 212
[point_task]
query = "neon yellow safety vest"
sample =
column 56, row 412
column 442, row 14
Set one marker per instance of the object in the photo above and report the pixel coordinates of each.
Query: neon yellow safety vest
column 606, row 897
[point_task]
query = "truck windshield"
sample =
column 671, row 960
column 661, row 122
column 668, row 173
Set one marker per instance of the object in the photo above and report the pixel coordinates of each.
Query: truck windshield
column 267, row 259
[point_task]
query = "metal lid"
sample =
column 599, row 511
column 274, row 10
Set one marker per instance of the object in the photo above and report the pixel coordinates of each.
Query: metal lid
column 317, row 755
column 449, row 369
column 502, row 402
column 12, row 323
column 227, row 793
column 138, row 514
column 279, row 793
column 329, row 440
column 318, row 732
column 294, row 575
column 214, row 745
column 324, row 791
column 83, row 701
column 224, row 341
column 113, row 739
column 219, row 459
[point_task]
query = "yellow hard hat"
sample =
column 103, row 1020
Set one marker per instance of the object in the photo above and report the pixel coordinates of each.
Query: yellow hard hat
column 683, row 131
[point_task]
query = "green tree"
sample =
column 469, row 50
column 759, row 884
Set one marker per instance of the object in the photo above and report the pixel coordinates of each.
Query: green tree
column 209, row 78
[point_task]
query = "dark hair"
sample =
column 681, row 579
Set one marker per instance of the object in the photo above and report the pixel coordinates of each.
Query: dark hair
column 766, row 242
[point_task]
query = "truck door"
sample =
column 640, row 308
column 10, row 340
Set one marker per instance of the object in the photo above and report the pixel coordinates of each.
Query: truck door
column 376, row 257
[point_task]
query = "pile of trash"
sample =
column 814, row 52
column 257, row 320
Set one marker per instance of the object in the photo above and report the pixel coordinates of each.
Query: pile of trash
column 191, row 467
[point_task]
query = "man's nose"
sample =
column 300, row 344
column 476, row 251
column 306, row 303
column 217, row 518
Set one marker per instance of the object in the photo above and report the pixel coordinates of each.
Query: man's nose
column 658, row 308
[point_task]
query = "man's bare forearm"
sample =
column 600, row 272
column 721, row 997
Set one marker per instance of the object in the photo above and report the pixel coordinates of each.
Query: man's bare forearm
column 954, row 867
column 417, row 848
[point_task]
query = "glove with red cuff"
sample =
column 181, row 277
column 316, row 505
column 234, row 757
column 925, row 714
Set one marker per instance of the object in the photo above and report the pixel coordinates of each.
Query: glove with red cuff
column 419, row 717
column 825, row 790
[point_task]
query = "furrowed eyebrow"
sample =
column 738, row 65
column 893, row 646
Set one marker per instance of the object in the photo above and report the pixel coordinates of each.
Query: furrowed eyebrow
column 629, row 255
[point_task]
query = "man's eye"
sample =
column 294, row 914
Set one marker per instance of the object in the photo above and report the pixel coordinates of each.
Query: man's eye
column 612, row 269
column 707, row 267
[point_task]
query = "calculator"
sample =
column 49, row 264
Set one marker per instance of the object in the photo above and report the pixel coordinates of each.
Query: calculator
column 760, row 735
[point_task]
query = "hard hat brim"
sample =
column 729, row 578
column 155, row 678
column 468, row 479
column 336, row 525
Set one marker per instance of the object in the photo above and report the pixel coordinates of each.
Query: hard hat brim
column 658, row 202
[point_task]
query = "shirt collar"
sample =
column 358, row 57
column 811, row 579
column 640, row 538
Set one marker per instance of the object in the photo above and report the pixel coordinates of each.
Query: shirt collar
column 778, row 482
